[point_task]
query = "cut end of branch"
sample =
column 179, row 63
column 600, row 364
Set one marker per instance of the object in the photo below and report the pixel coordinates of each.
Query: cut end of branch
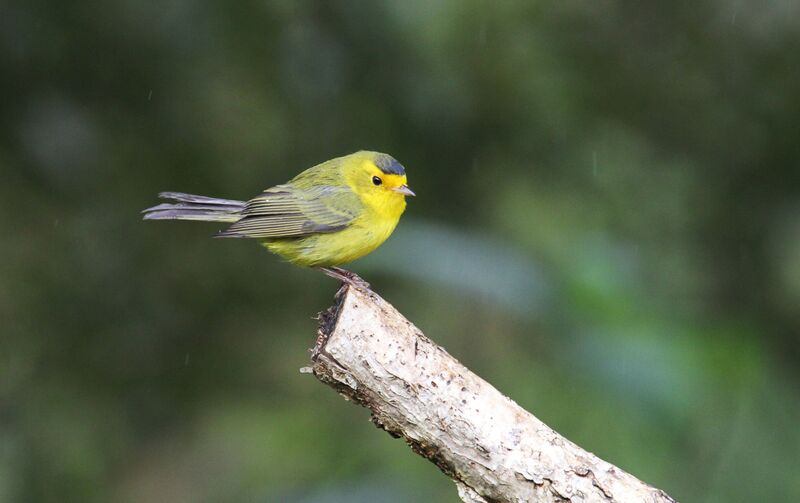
column 327, row 321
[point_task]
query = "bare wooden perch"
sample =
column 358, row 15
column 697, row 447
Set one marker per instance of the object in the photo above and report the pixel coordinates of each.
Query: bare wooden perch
column 492, row 448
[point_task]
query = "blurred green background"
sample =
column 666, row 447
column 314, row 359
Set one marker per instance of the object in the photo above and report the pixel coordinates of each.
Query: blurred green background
column 607, row 229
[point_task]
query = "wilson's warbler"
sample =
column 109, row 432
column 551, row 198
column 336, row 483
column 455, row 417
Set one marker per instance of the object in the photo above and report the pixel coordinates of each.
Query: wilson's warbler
column 327, row 216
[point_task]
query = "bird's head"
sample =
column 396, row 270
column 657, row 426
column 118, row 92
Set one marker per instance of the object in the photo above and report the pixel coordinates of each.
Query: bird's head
column 380, row 181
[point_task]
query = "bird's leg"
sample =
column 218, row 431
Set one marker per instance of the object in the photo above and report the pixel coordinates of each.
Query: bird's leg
column 345, row 276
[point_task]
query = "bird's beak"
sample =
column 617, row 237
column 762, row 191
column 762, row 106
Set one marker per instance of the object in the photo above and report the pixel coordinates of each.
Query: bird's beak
column 403, row 189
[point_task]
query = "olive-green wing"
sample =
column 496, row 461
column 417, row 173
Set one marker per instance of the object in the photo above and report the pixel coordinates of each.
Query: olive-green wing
column 286, row 211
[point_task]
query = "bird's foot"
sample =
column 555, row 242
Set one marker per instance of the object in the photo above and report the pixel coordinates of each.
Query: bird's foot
column 346, row 276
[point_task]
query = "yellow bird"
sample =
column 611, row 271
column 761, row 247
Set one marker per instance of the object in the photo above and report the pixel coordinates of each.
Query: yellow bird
column 327, row 216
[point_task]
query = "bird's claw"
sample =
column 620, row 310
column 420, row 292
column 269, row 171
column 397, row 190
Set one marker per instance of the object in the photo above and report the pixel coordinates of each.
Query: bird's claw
column 346, row 277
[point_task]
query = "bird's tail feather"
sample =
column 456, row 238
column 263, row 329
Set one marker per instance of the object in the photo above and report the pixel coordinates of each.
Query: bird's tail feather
column 192, row 207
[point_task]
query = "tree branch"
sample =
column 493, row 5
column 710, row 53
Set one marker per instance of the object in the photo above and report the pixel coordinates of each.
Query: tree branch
column 494, row 450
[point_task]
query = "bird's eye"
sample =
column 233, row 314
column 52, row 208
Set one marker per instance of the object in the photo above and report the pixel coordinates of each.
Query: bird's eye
column 377, row 180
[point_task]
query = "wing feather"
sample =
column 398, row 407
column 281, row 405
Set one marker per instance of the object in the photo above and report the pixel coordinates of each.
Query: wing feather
column 286, row 211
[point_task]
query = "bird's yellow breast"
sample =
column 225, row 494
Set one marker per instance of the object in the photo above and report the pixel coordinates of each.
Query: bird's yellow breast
column 364, row 234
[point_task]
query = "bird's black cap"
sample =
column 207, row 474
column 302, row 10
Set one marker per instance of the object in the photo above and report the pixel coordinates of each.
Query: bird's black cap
column 389, row 165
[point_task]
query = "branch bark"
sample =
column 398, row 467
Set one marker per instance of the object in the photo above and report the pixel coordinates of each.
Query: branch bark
column 492, row 448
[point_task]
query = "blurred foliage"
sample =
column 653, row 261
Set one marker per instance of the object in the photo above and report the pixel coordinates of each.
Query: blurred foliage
column 607, row 228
